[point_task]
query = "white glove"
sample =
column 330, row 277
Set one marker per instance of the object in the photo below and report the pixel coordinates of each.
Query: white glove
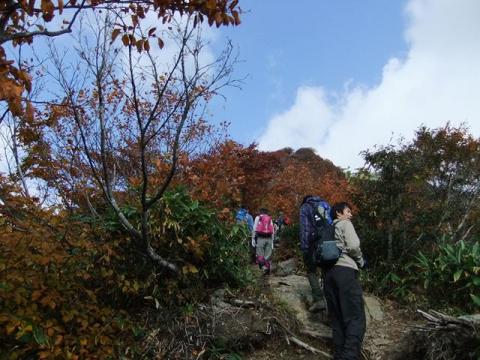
column 254, row 243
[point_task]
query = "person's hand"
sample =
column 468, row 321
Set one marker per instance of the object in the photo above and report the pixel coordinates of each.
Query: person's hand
column 254, row 243
column 365, row 264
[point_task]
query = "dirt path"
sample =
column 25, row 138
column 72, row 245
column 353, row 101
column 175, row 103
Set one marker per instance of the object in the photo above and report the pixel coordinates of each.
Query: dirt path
column 383, row 336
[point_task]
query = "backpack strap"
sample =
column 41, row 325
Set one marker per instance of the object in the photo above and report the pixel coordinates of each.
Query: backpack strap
column 334, row 223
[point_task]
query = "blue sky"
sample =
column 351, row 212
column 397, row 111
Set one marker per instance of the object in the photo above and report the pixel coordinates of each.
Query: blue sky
column 319, row 42
column 343, row 76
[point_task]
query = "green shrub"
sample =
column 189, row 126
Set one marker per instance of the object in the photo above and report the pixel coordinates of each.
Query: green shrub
column 210, row 242
column 209, row 248
column 451, row 275
column 391, row 281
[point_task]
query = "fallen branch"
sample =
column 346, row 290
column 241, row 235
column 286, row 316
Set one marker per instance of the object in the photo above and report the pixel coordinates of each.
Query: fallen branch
column 315, row 334
column 240, row 303
column 309, row 347
column 443, row 337
column 290, row 336
column 427, row 316
column 440, row 320
column 450, row 319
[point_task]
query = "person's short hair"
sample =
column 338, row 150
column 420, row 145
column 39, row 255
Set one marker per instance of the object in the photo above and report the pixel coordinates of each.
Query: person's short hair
column 263, row 211
column 338, row 208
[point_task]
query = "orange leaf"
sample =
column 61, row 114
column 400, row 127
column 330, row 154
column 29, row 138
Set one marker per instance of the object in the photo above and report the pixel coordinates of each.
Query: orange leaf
column 151, row 32
column 11, row 328
column 161, row 44
column 218, row 18
column 211, row 4
column 115, row 33
column 236, row 17
column 139, row 45
column 44, row 354
column 146, row 45
column 28, row 328
column 36, row 295
column 58, row 340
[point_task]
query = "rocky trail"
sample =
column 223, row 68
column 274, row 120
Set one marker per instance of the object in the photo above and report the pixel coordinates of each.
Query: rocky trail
column 269, row 320
column 277, row 324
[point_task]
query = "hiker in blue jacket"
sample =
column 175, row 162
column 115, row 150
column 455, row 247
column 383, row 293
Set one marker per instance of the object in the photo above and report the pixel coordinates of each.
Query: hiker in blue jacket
column 307, row 244
column 244, row 217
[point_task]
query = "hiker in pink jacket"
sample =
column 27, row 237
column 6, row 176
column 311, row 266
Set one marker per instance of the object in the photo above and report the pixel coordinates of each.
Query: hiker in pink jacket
column 262, row 239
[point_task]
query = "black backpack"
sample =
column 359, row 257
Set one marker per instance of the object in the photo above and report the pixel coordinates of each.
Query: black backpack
column 326, row 250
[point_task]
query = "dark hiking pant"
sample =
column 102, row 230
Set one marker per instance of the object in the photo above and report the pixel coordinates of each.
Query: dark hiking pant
column 345, row 308
column 311, row 267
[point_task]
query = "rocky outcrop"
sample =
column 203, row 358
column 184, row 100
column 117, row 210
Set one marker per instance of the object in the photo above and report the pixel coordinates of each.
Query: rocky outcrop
column 236, row 326
column 285, row 268
column 294, row 291
column 373, row 309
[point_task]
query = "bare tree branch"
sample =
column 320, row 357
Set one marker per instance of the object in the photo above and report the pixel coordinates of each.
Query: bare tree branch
column 163, row 112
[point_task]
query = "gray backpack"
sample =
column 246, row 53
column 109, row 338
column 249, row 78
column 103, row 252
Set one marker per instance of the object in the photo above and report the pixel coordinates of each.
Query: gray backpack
column 326, row 250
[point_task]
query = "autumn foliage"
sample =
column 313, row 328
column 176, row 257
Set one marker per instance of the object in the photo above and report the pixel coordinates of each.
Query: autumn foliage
column 51, row 272
column 135, row 191
column 71, row 274
column 231, row 175
column 70, row 285
column 22, row 21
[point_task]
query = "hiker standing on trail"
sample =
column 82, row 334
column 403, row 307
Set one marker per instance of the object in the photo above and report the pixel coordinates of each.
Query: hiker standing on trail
column 343, row 290
column 308, row 209
column 244, row 217
column 262, row 239
column 281, row 221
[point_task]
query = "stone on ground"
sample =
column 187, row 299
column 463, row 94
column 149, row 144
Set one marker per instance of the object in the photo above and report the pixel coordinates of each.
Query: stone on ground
column 294, row 291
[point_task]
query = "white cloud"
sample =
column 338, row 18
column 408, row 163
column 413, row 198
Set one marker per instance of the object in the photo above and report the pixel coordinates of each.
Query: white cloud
column 296, row 122
column 438, row 81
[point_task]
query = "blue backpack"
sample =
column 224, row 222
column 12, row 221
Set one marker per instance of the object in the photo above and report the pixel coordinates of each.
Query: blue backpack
column 243, row 217
column 326, row 250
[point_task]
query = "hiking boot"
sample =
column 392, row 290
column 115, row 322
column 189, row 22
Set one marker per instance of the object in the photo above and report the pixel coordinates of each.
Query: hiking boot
column 317, row 306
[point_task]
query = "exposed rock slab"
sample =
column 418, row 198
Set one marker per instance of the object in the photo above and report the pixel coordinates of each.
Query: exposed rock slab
column 286, row 267
column 237, row 327
column 294, row 291
column 373, row 309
